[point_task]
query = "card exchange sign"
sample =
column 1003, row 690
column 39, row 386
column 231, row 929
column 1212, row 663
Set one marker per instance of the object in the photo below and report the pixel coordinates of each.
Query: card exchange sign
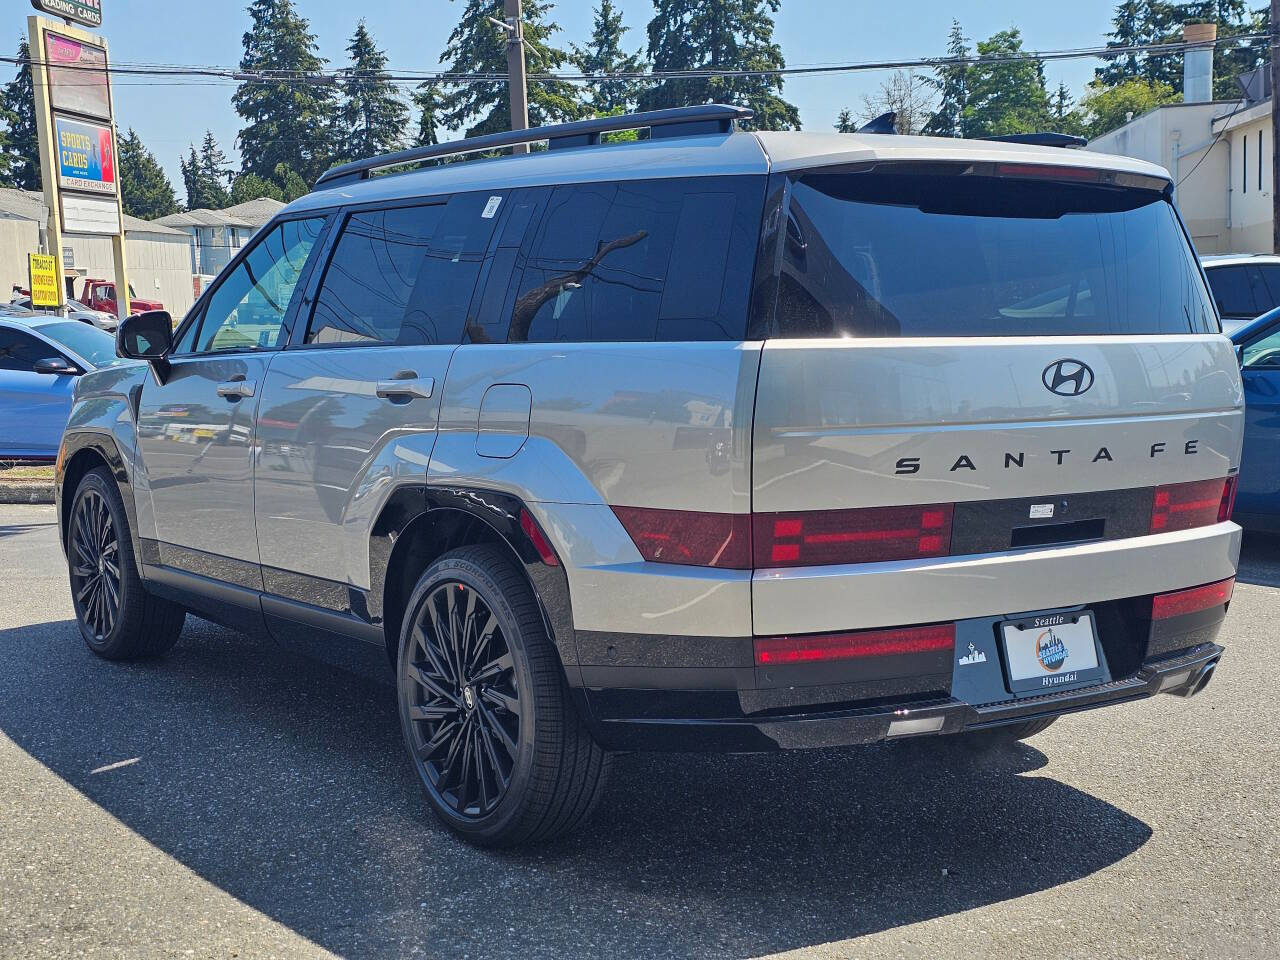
column 42, row 271
column 88, row 12
column 86, row 156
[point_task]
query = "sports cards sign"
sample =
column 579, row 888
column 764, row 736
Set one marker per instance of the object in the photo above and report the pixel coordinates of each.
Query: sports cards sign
column 86, row 156
column 88, row 12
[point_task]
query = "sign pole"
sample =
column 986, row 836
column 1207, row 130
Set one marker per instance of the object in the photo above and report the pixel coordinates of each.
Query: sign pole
column 48, row 148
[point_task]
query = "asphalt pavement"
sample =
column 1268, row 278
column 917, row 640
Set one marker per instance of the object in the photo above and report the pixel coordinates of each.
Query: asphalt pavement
column 235, row 800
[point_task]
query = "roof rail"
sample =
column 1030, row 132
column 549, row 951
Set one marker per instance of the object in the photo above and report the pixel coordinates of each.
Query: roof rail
column 1045, row 139
column 676, row 122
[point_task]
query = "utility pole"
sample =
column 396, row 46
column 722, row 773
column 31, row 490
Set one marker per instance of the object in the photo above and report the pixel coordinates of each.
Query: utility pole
column 516, row 88
column 1275, row 126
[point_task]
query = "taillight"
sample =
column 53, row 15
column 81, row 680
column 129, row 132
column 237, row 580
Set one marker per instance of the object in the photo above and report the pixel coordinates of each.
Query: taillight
column 691, row 537
column 1228, row 503
column 852, row 536
column 1182, row 602
column 815, row 647
column 1181, row 506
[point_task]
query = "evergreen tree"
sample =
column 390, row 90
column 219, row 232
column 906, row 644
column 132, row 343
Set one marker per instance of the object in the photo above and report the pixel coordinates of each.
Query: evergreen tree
column 1006, row 97
column 951, row 80
column 292, row 186
column 374, row 117
column 604, row 55
column 250, row 186
column 845, row 122
column 205, row 176
column 1063, row 115
column 20, row 147
column 145, row 190
column 477, row 46
column 213, row 162
column 719, row 35
column 427, row 99
column 287, row 116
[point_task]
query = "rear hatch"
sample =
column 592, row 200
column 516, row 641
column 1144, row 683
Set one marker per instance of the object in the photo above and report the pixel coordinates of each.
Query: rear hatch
column 972, row 359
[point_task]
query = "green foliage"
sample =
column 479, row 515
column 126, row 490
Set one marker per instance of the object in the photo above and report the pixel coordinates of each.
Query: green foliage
column 951, row 80
column 19, row 143
column 1004, row 98
column 145, row 190
column 1106, row 108
column 286, row 121
column 1063, row 115
column 604, row 55
column 846, row 123
column 719, row 35
column 373, row 115
column 206, row 176
column 477, row 46
column 427, row 99
column 250, row 186
column 292, row 186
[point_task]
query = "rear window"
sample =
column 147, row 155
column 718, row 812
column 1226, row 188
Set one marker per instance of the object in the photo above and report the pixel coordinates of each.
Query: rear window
column 872, row 254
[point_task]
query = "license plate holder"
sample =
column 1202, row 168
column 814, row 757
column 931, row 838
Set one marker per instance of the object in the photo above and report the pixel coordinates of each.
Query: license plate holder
column 1051, row 652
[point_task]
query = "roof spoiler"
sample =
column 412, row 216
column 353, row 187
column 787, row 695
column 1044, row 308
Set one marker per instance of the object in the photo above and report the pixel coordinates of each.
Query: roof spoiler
column 1045, row 139
column 676, row 122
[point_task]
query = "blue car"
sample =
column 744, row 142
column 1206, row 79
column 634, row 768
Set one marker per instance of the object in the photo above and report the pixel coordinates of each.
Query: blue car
column 40, row 358
column 1258, row 497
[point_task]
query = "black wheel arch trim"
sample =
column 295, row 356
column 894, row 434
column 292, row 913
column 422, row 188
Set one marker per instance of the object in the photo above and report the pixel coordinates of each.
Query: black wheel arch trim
column 104, row 446
column 501, row 513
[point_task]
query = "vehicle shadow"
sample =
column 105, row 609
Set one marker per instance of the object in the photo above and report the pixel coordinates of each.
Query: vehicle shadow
column 282, row 781
column 1260, row 559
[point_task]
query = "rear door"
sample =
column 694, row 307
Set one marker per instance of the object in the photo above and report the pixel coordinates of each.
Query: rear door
column 349, row 411
column 1259, row 494
column 1006, row 360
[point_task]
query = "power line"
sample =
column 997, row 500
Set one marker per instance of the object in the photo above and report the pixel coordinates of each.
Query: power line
column 444, row 77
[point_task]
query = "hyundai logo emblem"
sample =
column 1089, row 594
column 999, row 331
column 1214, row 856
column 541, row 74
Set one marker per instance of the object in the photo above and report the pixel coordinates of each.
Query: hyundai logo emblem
column 1067, row 377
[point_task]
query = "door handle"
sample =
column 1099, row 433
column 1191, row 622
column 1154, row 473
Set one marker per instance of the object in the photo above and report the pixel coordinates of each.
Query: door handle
column 409, row 386
column 236, row 389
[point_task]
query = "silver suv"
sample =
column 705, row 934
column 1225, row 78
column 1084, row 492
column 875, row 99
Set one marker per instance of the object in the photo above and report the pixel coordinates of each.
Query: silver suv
column 713, row 440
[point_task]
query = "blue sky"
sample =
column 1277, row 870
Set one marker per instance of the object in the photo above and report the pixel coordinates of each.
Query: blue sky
column 170, row 115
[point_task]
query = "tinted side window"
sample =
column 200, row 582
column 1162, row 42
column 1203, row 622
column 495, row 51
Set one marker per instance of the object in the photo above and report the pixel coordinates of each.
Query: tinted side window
column 404, row 275
column 1232, row 290
column 20, row 351
column 641, row 261
column 1263, row 353
column 1270, row 291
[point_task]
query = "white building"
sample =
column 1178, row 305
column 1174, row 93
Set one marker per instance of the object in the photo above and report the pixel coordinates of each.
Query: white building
column 1218, row 152
column 216, row 235
column 158, row 258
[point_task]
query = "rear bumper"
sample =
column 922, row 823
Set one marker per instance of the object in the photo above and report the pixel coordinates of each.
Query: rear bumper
column 1184, row 674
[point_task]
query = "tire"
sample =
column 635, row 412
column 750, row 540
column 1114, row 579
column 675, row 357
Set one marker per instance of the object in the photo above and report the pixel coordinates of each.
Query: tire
column 499, row 748
column 1006, row 736
column 118, row 618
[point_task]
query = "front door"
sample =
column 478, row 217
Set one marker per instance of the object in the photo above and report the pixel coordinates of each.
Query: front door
column 1259, row 492
column 195, row 431
column 33, row 405
column 349, row 411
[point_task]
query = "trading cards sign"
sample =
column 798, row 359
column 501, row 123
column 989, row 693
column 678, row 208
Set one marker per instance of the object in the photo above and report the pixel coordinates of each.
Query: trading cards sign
column 88, row 12
column 86, row 156
column 77, row 76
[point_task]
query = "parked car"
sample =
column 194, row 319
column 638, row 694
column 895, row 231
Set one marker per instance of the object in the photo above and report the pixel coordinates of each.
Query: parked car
column 714, row 440
column 40, row 359
column 1258, row 500
column 101, row 295
column 1244, row 285
column 77, row 311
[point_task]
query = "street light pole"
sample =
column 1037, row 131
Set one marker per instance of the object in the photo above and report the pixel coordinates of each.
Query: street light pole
column 516, row 72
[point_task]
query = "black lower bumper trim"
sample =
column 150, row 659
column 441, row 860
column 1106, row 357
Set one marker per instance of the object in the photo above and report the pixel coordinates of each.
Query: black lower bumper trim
column 1184, row 675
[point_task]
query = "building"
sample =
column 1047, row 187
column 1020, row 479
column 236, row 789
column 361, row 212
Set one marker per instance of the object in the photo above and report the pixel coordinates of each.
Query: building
column 216, row 235
column 157, row 256
column 1219, row 153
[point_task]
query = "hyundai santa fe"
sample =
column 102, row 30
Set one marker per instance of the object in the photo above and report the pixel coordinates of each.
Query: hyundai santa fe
column 715, row 440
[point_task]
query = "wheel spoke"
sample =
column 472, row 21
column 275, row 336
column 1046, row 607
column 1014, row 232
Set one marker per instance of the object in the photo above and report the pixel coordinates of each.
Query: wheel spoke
column 480, row 768
column 432, row 653
column 484, row 638
column 443, row 735
column 422, row 679
column 500, row 699
column 441, row 638
column 493, row 670
column 500, row 775
column 432, row 712
column 508, row 744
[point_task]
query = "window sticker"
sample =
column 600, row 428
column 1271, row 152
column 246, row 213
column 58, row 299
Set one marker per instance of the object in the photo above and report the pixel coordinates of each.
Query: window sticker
column 491, row 208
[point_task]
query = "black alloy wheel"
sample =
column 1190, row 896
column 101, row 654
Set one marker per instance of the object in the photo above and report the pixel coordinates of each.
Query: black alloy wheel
column 95, row 565
column 464, row 707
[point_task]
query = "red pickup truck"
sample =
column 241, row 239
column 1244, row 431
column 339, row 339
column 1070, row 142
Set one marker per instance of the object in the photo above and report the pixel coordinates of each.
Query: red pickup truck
column 101, row 295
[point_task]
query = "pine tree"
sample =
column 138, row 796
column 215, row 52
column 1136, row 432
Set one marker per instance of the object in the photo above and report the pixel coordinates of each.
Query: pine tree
column 1063, row 115
column 146, row 191
column 845, row 122
column 20, row 149
column 477, row 46
column 287, row 116
column 427, row 99
column 1007, row 97
column 213, row 162
column 951, row 80
column 206, row 175
column 719, row 35
column 374, row 117
column 604, row 55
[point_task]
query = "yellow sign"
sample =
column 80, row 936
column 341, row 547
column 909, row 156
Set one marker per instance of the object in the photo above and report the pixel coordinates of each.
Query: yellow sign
column 43, row 271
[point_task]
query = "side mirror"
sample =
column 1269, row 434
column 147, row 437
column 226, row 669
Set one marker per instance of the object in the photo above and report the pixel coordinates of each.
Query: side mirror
column 57, row 366
column 147, row 336
column 1240, row 355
